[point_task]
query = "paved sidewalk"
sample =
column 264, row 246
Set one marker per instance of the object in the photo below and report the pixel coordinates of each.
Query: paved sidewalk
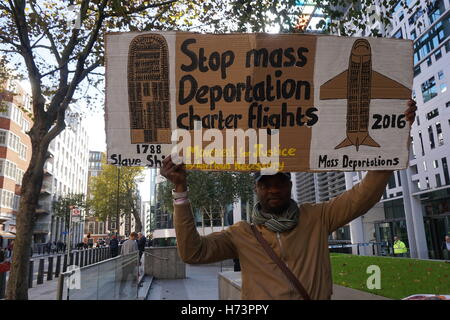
column 201, row 283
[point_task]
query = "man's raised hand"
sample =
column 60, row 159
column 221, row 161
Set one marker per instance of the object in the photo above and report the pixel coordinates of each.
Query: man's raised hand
column 175, row 173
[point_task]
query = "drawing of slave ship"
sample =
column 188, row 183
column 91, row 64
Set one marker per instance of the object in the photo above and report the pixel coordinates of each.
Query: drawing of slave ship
column 359, row 84
column 148, row 89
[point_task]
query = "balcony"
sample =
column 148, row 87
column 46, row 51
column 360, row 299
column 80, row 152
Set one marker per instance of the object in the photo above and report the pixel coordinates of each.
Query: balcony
column 41, row 228
column 44, row 207
column 46, row 188
column 48, row 168
column 5, row 216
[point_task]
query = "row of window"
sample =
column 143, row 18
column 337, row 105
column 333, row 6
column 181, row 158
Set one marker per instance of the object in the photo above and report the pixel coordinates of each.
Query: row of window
column 9, row 200
column 100, row 228
column 432, row 39
column 16, row 115
column 429, row 88
column 429, row 61
column 9, row 169
column 7, row 138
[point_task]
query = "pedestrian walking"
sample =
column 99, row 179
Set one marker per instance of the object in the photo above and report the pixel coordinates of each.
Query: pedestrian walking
column 114, row 246
column 10, row 248
column 129, row 268
column 142, row 242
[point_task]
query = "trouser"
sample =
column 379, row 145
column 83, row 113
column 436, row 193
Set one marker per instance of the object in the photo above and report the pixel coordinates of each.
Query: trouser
column 114, row 252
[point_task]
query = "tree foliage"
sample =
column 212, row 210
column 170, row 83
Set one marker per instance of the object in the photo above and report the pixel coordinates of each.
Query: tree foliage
column 62, row 206
column 211, row 192
column 115, row 191
column 339, row 17
column 61, row 59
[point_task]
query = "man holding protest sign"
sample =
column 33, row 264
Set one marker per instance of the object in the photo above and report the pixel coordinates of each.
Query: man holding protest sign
column 298, row 235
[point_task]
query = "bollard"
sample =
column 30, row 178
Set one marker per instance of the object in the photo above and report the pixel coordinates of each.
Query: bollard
column 30, row 274
column 82, row 259
column 77, row 258
column 65, row 263
column 50, row 269
column 97, row 253
column 58, row 266
column 40, row 277
column 90, row 257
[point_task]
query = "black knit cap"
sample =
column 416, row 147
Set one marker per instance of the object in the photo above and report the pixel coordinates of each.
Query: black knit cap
column 257, row 176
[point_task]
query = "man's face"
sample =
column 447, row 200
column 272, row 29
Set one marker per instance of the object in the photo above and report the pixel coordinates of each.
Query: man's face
column 274, row 193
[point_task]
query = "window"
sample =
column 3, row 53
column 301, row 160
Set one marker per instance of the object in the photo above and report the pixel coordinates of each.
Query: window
column 431, row 136
column 431, row 40
column 91, row 227
column 441, row 75
column 438, row 181
column 443, row 87
column 424, row 166
column 429, row 61
column 25, row 125
column 432, row 114
column 3, row 137
column 413, row 35
column 445, row 170
column 429, row 89
column 398, row 34
column 440, row 136
column 421, row 143
column 447, row 46
column 447, row 104
column 435, row 10
column 391, row 183
column 417, row 70
column 435, row 164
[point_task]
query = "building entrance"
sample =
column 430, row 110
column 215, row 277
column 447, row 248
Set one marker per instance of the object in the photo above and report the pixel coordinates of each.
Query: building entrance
column 436, row 228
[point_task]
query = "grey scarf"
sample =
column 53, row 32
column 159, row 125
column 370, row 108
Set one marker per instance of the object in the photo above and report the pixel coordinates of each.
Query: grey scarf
column 285, row 221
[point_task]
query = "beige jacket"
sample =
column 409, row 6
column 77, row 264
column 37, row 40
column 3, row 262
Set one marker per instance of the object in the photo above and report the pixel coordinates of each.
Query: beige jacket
column 304, row 249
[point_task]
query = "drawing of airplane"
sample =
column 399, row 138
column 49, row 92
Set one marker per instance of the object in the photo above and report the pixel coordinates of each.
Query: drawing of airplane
column 359, row 84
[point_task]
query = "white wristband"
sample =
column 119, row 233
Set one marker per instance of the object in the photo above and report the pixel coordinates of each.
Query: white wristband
column 178, row 195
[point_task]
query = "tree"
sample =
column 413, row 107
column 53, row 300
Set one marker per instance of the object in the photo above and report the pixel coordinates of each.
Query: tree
column 211, row 192
column 340, row 17
column 59, row 60
column 62, row 206
column 114, row 194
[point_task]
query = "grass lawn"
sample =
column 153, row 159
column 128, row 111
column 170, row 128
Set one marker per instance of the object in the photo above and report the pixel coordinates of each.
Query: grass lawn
column 399, row 277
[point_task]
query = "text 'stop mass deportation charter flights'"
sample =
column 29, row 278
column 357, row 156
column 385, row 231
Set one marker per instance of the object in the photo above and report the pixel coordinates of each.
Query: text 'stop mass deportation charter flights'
column 248, row 102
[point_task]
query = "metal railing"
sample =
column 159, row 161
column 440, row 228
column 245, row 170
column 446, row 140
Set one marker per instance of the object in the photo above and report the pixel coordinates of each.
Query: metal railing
column 113, row 279
column 50, row 267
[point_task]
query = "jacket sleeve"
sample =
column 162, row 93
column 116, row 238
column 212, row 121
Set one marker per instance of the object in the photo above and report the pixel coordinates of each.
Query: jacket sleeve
column 353, row 203
column 195, row 249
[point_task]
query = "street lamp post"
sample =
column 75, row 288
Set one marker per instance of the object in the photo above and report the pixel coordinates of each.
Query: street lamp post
column 117, row 212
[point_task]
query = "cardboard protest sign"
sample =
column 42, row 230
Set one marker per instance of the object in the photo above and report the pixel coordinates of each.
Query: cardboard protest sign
column 293, row 102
